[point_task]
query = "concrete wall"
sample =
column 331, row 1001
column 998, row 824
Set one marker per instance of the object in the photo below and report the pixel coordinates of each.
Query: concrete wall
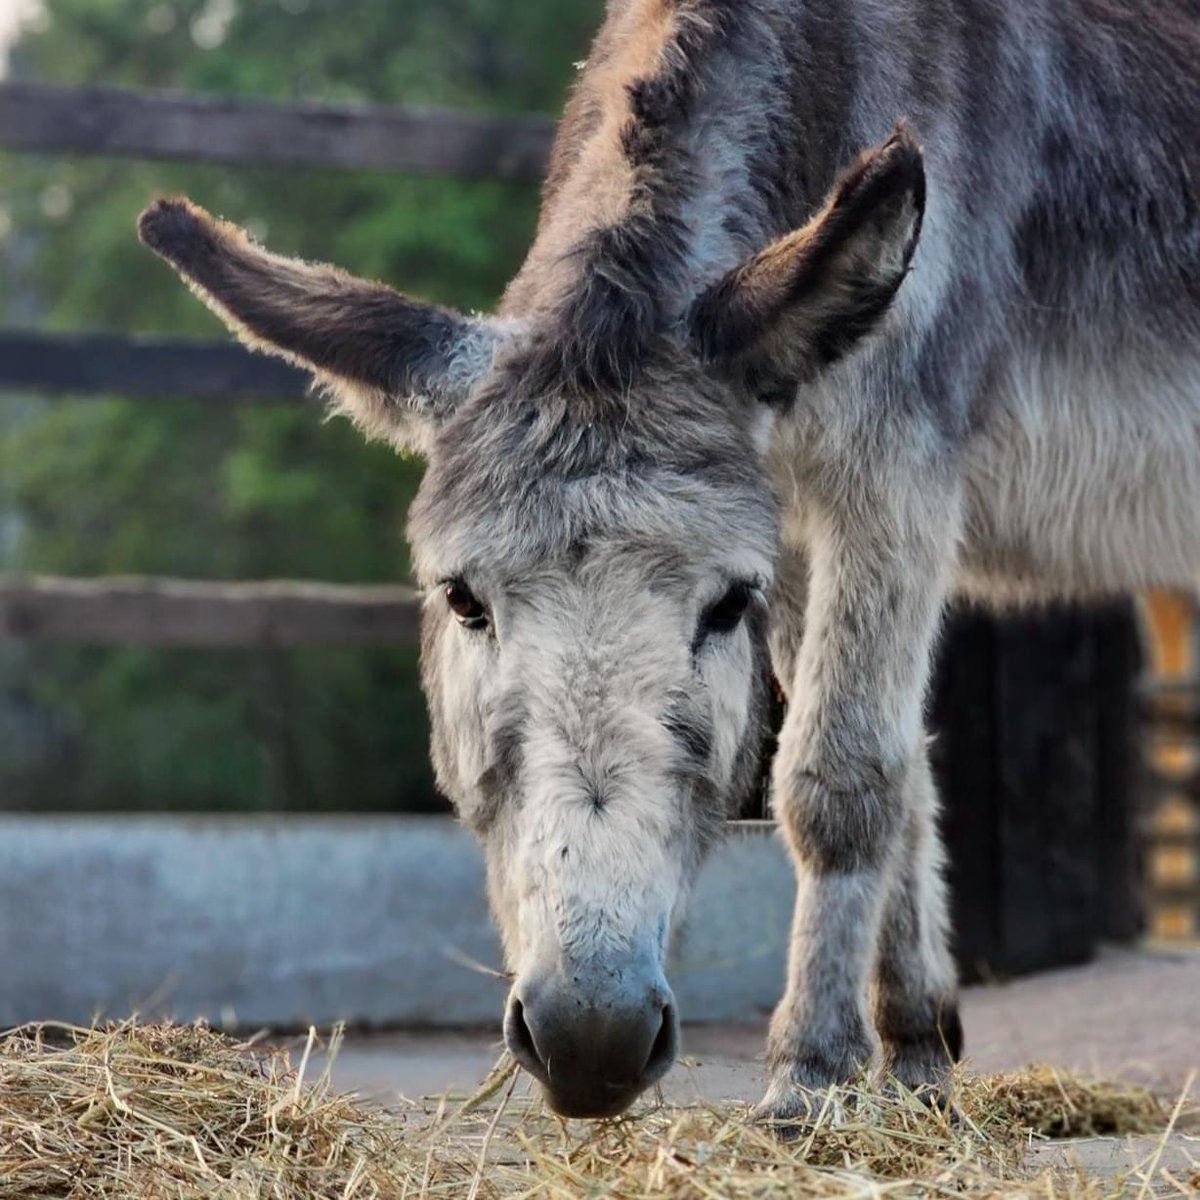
column 294, row 920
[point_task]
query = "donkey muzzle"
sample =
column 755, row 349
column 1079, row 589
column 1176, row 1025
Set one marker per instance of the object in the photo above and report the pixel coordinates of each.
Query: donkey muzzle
column 594, row 1038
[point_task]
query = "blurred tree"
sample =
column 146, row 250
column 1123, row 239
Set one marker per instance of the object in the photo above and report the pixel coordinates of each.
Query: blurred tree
column 107, row 486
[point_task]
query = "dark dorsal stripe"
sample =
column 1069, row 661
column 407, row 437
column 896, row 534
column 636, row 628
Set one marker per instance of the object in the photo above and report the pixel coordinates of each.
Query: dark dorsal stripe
column 598, row 338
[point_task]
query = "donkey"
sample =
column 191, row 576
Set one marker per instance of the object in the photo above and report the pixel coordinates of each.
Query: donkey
column 709, row 436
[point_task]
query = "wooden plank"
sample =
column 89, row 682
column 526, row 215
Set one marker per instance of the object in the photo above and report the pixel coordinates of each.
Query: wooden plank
column 1188, row 785
column 114, row 364
column 176, row 612
column 1118, row 655
column 1173, row 839
column 1176, row 893
column 170, row 125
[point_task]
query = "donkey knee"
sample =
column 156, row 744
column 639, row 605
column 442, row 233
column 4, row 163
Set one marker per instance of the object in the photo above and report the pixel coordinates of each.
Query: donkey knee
column 840, row 827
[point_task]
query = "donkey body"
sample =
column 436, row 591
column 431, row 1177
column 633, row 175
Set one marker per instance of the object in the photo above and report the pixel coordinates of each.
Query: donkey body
column 706, row 390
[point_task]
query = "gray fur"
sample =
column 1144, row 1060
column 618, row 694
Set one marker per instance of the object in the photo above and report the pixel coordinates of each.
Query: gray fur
column 1019, row 420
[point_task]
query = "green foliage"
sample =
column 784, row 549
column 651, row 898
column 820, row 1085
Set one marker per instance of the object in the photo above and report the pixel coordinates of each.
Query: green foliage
column 103, row 486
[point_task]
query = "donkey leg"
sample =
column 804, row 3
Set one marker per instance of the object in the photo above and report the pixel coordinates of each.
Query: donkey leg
column 915, row 996
column 853, row 735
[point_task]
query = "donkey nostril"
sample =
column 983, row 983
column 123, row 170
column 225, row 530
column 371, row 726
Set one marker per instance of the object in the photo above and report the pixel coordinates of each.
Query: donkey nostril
column 662, row 1053
column 519, row 1039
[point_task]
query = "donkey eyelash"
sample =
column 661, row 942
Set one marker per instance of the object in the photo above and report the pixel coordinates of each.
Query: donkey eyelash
column 439, row 586
column 753, row 586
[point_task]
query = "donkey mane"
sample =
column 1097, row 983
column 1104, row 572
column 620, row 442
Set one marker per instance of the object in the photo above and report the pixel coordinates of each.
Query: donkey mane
column 623, row 274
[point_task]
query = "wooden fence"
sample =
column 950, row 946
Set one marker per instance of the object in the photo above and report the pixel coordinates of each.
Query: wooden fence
column 167, row 125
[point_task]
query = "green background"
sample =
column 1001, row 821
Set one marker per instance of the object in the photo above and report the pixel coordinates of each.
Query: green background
column 104, row 485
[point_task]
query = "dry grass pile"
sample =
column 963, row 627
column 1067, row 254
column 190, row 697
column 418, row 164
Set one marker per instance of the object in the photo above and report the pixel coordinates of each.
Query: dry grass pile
column 148, row 1111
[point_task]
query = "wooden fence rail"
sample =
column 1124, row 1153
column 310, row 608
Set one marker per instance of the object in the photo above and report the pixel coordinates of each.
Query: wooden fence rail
column 176, row 612
column 100, row 364
column 170, row 125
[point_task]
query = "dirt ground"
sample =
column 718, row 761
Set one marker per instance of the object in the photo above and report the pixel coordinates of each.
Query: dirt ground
column 1135, row 1014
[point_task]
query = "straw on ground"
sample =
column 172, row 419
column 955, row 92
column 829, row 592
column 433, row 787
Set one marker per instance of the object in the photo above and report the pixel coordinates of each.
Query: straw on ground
column 143, row 1112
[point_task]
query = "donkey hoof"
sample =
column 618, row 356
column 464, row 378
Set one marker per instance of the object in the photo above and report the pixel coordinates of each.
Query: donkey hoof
column 919, row 1067
column 788, row 1112
column 937, row 1094
column 791, row 1108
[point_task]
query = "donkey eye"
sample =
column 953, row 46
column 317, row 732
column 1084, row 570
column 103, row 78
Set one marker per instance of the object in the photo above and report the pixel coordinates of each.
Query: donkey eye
column 726, row 614
column 467, row 608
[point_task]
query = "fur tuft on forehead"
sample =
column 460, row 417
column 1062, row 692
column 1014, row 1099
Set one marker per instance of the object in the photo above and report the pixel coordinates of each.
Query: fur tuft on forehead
column 678, row 415
column 626, row 273
column 526, row 478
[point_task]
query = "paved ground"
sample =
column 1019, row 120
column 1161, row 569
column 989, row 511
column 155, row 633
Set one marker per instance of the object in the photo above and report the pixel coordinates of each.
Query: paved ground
column 1133, row 1014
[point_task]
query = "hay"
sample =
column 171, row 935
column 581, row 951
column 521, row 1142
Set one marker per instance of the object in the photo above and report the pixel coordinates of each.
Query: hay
column 144, row 1112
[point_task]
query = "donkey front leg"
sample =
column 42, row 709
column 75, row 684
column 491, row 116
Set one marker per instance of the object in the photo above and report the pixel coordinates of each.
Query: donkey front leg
column 852, row 740
column 915, row 998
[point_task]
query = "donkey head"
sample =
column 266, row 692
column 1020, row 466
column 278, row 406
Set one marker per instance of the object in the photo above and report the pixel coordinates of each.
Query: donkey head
column 595, row 535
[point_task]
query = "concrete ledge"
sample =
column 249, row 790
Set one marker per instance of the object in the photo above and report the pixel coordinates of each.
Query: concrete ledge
column 287, row 921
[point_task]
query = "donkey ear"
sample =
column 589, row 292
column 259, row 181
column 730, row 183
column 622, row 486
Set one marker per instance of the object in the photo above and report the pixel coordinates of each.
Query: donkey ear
column 804, row 301
column 393, row 365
